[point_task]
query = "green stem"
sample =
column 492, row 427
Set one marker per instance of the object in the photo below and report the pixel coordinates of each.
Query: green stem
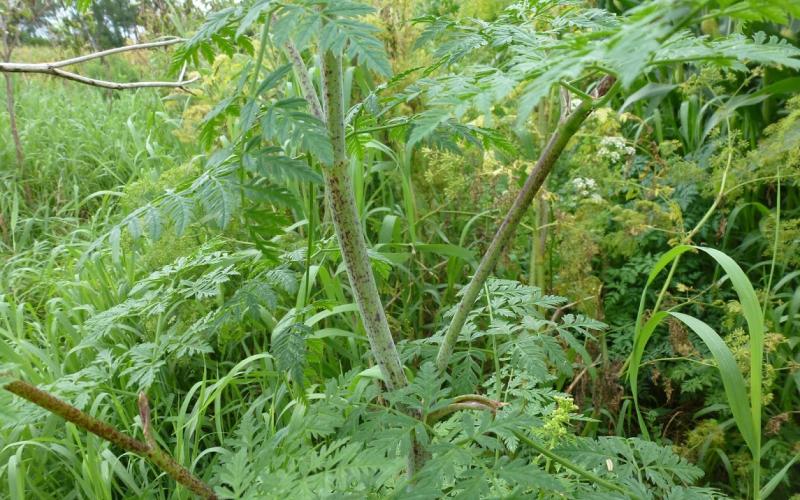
column 587, row 475
column 312, row 194
column 369, row 130
column 774, row 243
column 539, row 245
column 349, row 232
column 252, row 100
column 541, row 170
column 498, row 380
column 149, row 449
column 353, row 246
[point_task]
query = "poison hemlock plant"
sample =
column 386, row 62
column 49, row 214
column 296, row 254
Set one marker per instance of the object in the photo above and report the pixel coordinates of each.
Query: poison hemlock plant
column 475, row 410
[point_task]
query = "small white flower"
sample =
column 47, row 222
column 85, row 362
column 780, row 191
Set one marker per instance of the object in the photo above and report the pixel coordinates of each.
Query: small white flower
column 585, row 187
column 614, row 148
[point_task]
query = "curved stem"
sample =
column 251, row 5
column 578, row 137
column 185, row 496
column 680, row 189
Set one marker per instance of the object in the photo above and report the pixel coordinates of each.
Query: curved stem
column 466, row 402
column 587, row 475
column 353, row 246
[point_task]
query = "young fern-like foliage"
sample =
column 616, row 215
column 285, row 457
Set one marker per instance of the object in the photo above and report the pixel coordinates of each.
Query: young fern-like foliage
column 342, row 441
column 509, row 313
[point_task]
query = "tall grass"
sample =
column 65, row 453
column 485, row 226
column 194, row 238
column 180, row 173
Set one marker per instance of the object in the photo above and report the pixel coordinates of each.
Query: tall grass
column 81, row 146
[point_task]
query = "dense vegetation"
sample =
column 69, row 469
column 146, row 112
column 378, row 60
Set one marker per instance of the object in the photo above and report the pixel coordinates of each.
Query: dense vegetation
column 412, row 249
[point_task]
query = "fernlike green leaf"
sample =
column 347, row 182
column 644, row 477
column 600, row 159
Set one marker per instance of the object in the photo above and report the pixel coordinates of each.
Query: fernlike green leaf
column 278, row 167
column 348, row 9
column 220, row 197
column 425, row 124
column 180, row 209
column 289, row 350
column 82, row 5
column 288, row 125
column 152, row 218
column 274, row 78
column 342, row 31
column 252, row 15
column 758, row 10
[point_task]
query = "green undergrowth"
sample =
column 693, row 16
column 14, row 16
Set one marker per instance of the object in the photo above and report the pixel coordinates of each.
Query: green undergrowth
column 638, row 337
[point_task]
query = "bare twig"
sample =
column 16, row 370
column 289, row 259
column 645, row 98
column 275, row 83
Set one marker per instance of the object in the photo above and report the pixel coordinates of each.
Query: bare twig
column 7, row 49
column 561, row 310
column 165, row 461
column 54, row 68
column 14, row 68
column 104, row 53
column 576, row 380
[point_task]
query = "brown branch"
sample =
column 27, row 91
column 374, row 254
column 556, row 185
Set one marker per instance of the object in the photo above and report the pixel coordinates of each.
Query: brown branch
column 116, row 50
column 149, row 449
column 465, row 402
column 163, row 459
column 54, row 68
column 561, row 310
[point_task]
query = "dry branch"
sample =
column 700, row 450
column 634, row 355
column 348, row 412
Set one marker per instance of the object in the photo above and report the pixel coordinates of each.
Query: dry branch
column 54, row 68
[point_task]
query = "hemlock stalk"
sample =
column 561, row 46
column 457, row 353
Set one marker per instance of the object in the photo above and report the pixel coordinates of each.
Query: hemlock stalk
column 350, row 233
column 353, row 246
column 555, row 146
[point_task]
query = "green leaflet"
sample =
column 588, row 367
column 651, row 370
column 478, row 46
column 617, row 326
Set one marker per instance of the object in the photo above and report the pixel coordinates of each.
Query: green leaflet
column 287, row 123
column 731, row 377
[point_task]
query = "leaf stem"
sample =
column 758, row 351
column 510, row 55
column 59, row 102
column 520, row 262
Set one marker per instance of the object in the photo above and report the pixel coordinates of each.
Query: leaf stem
column 589, row 476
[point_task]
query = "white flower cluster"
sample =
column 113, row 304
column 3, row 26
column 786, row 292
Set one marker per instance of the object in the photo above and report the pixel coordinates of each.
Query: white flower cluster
column 614, row 148
column 586, row 187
